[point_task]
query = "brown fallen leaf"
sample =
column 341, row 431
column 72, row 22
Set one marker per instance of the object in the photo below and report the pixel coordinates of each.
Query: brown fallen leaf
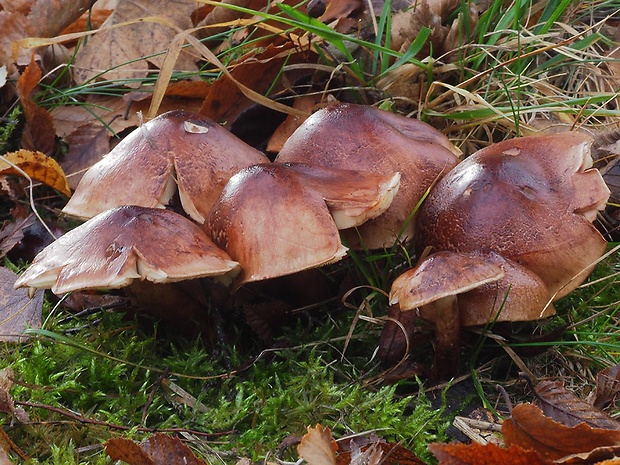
column 561, row 405
column 87, row 145
column 37, row 166
column 7, row 405
column 132, row 49
column 256, row 70
column 336, row 9
column 377, row 452
column 488, row 454
column 18, row 311
column 607, row 387
column 12, row 232
column 529, row 428
column 318, row 447
column 34, row 18
column 159, row 449
column 305, row 103
column 596, row 456
column 39, row 133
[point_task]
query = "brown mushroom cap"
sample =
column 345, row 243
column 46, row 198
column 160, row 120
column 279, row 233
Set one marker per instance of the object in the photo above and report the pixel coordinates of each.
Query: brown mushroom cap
column 177, row 149
column 359, row 137
column 528, row 199
column 126, row 243
column 274, row 220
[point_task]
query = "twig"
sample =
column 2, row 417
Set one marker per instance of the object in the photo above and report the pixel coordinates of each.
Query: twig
column 90, row 421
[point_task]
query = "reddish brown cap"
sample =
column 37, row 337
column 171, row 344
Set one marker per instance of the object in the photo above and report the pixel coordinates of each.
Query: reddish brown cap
column 365, row 138
column 126, row 243
column 274, row 219
column 176, row 150
column 489, row 288
column 530, row 200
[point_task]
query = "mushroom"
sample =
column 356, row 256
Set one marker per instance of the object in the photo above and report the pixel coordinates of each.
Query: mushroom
column 522, row 207
column 278, row 219
column 359, row 137
column 454, row 290
column 176, row 150
column 530, row 199
column 123, row 244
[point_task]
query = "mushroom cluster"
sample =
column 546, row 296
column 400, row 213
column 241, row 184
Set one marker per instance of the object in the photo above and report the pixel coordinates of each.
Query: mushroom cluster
column 269, row 219
column 511, row 231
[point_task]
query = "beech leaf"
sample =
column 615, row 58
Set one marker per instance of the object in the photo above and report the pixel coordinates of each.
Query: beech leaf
column 563, row 406
column 159, row 449
column 529, row 428
column 38, row 166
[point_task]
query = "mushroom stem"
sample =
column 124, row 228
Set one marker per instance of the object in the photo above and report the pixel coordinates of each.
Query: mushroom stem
column 447, row 337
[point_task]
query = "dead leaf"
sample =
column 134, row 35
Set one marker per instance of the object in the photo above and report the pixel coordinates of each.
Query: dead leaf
column 596, row 456
column 318, row 447
column 132, row 49
column 12, row 232
column 87, row 145
column 39, row 133
column 377, row 452
column 6, row 400
column 38, row 166
column 41, row 18
column 337, row 9
column 305, row 103
column 563, row 406
column 607, row 387
column 529, row 428
column 256, row 70
column 159, row 449
column 18, row 311
column 488, row 454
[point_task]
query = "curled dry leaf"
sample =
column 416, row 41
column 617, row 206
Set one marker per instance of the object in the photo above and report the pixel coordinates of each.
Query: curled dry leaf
column 529, row 428
column 13, row 232
column 159, row 449
column 561, row 405
column 18, row 310
column 488, row 454
column 38, row 166
column 318, row 447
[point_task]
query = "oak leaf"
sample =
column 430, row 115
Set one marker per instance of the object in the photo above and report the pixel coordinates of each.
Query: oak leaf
column 37, row 166
column 318, row 447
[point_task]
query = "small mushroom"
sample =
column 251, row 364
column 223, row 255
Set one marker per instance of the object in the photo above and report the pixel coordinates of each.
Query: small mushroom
column 358, row 137
column 530, row 199
column 276, row 219
column 454, row 290
column 122, row 244
column 176, row 151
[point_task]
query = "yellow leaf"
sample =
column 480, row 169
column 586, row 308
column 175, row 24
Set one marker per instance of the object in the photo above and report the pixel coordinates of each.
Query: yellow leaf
column 36, row 165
